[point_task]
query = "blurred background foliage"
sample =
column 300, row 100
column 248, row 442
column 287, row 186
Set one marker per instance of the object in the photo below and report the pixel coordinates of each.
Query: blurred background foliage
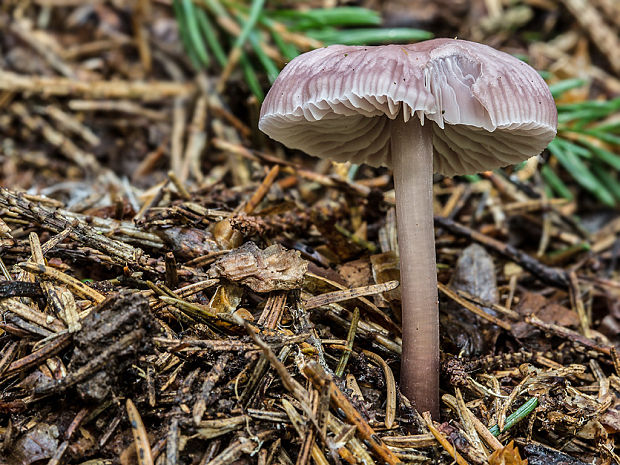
column 261, row 39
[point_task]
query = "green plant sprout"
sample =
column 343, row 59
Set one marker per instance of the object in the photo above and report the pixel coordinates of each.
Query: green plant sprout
column 585, row 130
column 518, row 415
column 226, row 29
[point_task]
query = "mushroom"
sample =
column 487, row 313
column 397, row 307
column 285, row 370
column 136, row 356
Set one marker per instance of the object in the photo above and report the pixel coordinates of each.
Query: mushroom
column 446, row 106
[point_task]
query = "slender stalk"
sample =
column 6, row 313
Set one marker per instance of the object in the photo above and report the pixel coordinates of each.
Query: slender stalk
column 412, row 162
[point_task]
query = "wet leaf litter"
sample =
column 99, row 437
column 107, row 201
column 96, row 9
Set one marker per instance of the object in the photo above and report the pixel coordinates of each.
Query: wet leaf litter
column 177, row 291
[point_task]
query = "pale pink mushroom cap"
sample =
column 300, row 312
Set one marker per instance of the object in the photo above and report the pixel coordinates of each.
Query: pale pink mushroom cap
column 487, row 108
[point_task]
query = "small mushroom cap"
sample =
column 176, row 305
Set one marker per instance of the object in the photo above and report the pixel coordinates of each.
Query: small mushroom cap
column 487, row 108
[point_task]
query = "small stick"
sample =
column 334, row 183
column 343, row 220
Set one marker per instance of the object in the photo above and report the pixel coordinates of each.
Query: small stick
column 511, row 398
column 176, row 137
column 35, row 123
column 172, row 278
column 45, row 48
column 196, row 141
column 493, row 306
column 414, row 441
column 212, row 378
column 58, row 297
column 241, row 446
column 566, row 333
column 471, row 432
column 218, row 108
column 349, row 294
column 482, row 430
column 262, row 190
column 139, row 19
column 270, row 317
column 24, row 311
column 75, row 423
column 93, row 365
column 59, row 220
column 577, row 303
column 603, row 36
column 207, row 345
column 349, row 346
column 73, row 284
column 552, row 276
column 172, row 443
column 47, row 86
column 122, row 106
column 443, row 441
column 73, row 124
column 186, row 291
column 472, row 308
column 39, row 356
column 308, row 446
column 319, row 378
column 9, row 352
column 367, row 306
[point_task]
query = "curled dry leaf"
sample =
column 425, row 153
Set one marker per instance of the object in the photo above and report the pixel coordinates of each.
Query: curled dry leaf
column 272, row 269
column 508, row 455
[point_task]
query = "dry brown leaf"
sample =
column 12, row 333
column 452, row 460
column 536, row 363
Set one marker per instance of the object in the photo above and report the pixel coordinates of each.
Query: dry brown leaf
column 272, row 269
column 508, row 455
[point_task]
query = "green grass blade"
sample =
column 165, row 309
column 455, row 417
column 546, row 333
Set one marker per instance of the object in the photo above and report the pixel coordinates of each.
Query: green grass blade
column 250, row 78
column 270, row 67
column 250, row 23
column 368, row 36
column 604, row 136
column 607, row 178
column 577, row 149
column 328, row 17
column 553, row 181
column 546, row 75
column 559, row 88
column 289, row 51
column 183, row 33
column 603, row 155
column 603, row 105
column 518, row 415
column 580, row 172
column 193, row 31
column 216, row 8
column 472, row 178
column 212, row 40
column 583, row 116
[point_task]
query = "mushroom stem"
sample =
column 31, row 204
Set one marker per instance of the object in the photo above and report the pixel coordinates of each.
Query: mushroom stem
column 412, row 161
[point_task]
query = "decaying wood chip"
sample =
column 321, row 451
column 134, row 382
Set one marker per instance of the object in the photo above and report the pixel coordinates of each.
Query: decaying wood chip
column 112, row 335
column 272, row 269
